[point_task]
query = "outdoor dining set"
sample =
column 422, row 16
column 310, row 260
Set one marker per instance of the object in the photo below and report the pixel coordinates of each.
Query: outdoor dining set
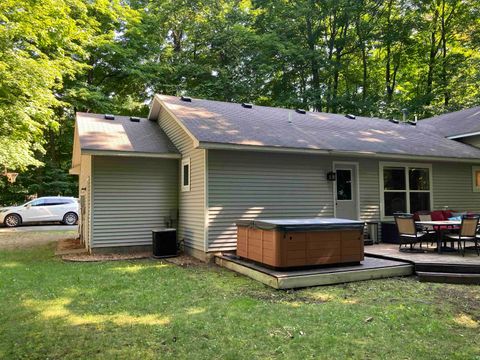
column 462, row 233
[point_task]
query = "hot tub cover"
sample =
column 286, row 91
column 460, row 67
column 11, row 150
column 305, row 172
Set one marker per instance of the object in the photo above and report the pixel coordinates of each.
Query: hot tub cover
column 303, row 224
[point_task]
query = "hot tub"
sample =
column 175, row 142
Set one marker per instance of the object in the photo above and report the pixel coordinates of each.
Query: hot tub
column 283, row 243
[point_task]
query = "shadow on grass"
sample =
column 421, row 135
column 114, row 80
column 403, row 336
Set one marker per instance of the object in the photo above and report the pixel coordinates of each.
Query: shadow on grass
column 152, row 309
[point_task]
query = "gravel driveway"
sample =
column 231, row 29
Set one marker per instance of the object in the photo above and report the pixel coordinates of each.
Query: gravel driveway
column 30, row 236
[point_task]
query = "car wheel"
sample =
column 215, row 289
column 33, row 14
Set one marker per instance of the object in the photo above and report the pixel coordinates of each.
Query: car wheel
column 12, row 220
column 70, row 218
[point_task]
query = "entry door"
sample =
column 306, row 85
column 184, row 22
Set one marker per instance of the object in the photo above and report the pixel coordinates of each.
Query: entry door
column 346, row 197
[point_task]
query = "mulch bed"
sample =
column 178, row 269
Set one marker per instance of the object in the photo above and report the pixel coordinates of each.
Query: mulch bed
column 182, row 260
column 105, row 257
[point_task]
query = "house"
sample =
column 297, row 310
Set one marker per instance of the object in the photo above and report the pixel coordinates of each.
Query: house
column 201, row 165
column 463, row 125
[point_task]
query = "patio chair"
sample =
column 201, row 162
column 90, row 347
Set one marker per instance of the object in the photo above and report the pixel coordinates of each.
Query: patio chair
column 408, row 233
column 468, row 232
column 429, row 229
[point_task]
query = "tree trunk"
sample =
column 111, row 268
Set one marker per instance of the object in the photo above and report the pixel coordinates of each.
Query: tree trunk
column 177, row 40
column 331, row 47
column 314, row 68
column 338, row 61
column 432, row 58
column 365, row 73
column 388, row 85
column 446, row 93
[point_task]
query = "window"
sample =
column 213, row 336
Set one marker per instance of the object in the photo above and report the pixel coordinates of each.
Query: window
column 476, row 178
column 344, row 185
column 56, row 201
column 185, row 176
column 37, row 202
column 405, row 188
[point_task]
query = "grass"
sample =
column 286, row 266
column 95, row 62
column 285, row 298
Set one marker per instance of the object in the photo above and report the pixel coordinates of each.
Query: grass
column 151, row 309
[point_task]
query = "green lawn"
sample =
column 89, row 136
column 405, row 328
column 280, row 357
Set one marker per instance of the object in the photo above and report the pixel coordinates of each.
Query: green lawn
column 151, row 309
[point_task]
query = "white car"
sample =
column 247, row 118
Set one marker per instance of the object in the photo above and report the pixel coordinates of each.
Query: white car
column 58, row 208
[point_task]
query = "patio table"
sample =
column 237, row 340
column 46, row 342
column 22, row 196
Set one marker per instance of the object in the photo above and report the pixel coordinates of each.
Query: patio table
column 440, row 226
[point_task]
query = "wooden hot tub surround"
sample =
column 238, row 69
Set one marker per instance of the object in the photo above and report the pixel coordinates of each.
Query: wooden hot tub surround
column 300, row 242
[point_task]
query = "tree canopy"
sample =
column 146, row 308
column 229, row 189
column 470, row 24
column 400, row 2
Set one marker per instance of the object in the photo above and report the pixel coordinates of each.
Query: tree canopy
column 367, row 57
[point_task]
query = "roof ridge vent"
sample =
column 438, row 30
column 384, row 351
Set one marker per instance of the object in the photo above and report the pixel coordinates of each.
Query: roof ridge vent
column 247, row 105
column 134, row 119
column 186, row 98
column 350, row 116
column 394, row 121
column 109, row 117
column 301, row 111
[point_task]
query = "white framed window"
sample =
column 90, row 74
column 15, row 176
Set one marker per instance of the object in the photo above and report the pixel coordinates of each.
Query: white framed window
column 185, row 174
column 405, row 188
column 476, row 178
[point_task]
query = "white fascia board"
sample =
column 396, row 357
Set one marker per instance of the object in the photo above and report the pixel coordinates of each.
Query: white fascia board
column 459, row 136
column 130, row 154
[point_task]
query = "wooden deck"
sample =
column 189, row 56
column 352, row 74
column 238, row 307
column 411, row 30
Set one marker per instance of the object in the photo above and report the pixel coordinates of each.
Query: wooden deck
column 430, row 256
column 429, row 265
column 370, row 268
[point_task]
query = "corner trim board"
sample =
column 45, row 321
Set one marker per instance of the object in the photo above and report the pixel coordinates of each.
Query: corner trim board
column 184, row 128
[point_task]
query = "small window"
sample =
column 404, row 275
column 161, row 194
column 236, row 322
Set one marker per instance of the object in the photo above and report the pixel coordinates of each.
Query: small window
column 56, row 201
column 476, row 178
column 185, row 176
column 38, row 202
column 344, row 185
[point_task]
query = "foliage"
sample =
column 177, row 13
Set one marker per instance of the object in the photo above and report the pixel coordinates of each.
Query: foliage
column 369, row 57
column 154, row 309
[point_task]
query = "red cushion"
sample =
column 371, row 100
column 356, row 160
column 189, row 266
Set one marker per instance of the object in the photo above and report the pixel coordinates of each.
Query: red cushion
column 437, row 215
column 447, row 214
column 444, row 227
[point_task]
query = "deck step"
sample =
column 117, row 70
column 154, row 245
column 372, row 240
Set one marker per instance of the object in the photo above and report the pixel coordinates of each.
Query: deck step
column 447, row 268
column 370, row 268
column 446, row 277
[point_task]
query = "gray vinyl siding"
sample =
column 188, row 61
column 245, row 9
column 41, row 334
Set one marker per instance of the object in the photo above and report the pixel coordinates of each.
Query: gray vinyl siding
column 249, row 185
column 369, row 190
column 191, row 226
column 131, row 196
column 453, row 187
column 244, row 185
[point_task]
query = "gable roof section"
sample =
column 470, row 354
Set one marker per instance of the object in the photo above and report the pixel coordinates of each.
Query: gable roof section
column 122, row 136
column 216, row 124
column 455, row 125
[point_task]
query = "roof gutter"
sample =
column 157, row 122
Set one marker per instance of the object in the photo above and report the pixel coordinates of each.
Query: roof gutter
column 130, row 154
column 356, row 154
column 459, row 136
column 75, row 170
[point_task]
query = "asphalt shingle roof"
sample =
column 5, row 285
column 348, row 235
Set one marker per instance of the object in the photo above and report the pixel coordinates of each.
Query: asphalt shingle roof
column 229, row 123
column 121, row 134
column 455, row 123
